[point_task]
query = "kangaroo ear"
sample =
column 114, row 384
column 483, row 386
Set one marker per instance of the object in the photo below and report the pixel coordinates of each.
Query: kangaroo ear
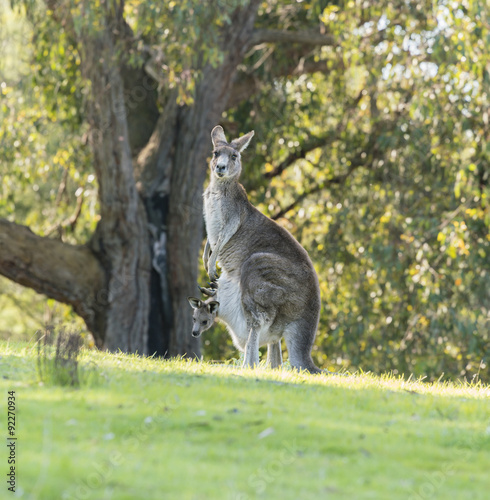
column 195, row 303
column 213, row 307
column 218, row 136
column 242, row 142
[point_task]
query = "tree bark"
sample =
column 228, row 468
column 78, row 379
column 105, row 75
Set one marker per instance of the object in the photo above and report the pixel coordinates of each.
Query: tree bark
column 67, row 273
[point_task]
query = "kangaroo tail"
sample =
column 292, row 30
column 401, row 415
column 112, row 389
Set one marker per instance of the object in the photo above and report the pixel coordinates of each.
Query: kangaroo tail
column 299, row 341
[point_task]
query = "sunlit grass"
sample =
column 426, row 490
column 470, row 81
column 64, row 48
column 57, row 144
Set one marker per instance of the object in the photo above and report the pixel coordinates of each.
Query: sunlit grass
column 152, row 428
column 357, row 380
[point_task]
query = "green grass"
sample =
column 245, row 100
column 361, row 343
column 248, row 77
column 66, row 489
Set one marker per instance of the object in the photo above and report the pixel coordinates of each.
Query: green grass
column 155, row 429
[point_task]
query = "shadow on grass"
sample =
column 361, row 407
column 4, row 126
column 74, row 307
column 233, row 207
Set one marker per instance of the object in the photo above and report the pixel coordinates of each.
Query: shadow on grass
column 58, row 359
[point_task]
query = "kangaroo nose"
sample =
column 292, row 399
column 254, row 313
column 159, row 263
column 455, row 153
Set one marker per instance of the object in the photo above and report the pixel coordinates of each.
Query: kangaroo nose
column 220, row 169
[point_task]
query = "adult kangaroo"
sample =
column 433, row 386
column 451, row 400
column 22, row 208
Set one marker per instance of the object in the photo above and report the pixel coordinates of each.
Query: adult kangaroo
column 268, row 287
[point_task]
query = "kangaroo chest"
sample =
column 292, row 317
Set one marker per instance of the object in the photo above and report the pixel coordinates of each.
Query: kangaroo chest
column 218, row 213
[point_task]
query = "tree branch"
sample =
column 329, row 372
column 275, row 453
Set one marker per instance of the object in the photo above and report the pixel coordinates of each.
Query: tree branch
column 67, row 273
column 69, row 221
column 303, row 37
column 339, row 179
column 359, row 161
column 299, row 153
column 316, row 142
column 248, row 84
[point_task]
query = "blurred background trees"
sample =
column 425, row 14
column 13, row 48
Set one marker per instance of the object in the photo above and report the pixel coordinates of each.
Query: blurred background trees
column 372, row 147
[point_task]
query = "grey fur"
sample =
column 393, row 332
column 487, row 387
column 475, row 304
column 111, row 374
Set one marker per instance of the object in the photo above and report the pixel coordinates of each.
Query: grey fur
column 268, row 286
column 206, row 313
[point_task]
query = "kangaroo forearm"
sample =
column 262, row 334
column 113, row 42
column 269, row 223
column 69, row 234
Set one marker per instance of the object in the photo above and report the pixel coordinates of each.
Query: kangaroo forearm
column 211, row 268
column 206, row 254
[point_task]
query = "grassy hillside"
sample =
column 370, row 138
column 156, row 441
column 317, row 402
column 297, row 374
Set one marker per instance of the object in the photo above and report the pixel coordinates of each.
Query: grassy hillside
column 142, row 428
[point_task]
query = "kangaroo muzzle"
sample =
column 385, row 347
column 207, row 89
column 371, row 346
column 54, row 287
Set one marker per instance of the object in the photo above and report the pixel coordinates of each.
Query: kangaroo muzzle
column 196, row 333
column 220, row 170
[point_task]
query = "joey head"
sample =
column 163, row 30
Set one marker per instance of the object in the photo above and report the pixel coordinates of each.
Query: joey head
column 204, row 314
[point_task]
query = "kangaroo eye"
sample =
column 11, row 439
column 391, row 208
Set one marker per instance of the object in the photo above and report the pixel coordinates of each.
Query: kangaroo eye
column 216, row 154
column 205, row 322
column 233, row 157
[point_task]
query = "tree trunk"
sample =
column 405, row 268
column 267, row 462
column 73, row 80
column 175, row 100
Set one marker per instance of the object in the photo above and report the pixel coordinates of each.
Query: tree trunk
column 131, row 281
column 121, row 239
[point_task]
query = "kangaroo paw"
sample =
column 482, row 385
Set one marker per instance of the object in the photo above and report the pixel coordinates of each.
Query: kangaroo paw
column 210, row 292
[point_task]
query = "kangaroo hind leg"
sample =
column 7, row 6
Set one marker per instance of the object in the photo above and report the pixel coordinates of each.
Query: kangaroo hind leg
column 257, row 324
column 274, row 354
column 252, row 348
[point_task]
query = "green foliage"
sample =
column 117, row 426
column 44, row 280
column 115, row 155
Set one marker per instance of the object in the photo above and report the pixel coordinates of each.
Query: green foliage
column 46, row 178
column 393, row 208
column 45, row 173
column 183, row 36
